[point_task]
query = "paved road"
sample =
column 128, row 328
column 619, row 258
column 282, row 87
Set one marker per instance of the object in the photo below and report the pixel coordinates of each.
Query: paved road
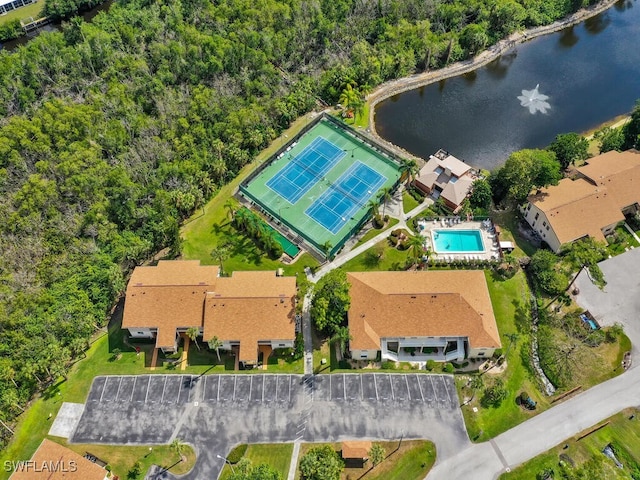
column 618, row 302
column 215, row 412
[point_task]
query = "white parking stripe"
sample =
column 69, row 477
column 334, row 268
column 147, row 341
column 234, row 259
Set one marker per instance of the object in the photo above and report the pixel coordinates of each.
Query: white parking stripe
column 263, row 376
column 289, row 388
column 420, row 387
column 179, row 390
column 276, row 397
column 444, row 380
column 104, row 386
column 406, row 379
column 393, row 397
column 218, row 392
column 146, row 394
column 361, row 388
column 235, row 380
column 250, row 387
column 330, row 387
column 190, row 389
column 163, row 387
column 435, row 394
column 375, row 384
column 134, row 387
column 344, row 386
column 118, row 392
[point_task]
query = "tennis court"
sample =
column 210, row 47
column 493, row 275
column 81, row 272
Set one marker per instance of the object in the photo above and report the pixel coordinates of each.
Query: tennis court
column 305, row 169
column 345, row 197
column 317, row 187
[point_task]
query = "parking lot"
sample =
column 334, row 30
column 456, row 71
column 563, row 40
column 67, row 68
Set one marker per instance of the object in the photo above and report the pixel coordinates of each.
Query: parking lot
column 216, row 412
column 436, row 391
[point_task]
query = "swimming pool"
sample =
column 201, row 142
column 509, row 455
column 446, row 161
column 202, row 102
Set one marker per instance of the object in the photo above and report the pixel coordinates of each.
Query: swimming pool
column 457, row 241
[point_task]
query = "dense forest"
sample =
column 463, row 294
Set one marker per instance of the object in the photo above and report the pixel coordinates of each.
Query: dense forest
column 113, row 132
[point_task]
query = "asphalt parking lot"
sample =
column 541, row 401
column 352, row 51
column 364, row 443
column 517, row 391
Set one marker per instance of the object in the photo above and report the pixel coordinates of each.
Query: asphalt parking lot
column 216, row 412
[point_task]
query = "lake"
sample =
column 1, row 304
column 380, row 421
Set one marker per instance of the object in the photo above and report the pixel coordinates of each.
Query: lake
column 590, row 72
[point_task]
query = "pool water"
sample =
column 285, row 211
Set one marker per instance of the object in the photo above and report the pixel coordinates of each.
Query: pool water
column 456, row 241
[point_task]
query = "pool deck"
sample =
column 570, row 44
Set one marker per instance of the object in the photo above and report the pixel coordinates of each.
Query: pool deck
column 489, row 239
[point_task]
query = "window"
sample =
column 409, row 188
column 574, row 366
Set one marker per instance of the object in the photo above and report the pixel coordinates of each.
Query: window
column 392, row 347
column 282, row 345
column 481, row 354
column 547, row 228
column 544, row 224
column 363, row 355
column 537, row 215
column 528, row 207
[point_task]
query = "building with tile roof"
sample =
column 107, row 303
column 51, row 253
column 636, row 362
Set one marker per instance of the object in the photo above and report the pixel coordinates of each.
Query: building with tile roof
column 591, row 205
column 52, row 461
column 248, row 311
column 421, row 315
column 446, row 177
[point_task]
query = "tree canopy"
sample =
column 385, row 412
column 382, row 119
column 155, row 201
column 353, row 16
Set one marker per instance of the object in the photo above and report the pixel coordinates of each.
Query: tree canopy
column 331, row 301
column 523, row 171
column 570, row 147
column 321, row 463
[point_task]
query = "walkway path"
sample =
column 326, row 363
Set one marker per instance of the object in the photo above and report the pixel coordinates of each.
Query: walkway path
column 294, row 461
column 395, row 211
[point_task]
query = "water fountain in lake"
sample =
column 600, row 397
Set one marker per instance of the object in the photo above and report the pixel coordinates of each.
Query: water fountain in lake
column 534, row 100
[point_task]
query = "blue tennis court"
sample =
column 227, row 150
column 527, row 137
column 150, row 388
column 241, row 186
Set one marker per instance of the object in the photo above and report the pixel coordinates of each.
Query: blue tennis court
column 305, row 169
column 345, row 197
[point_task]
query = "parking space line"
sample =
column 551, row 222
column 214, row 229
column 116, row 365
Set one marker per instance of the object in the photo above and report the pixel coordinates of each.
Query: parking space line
column 235, row 380
column 146, row 394
column 218, row 392
column 361, row 388
column 104, row 386
column 179, row 390
column 190, row 389
column 435, row 394
column 204, row 389
column 135, row 377
column 276, row 397
column 250, row 387
column 344, row 386
column 420, row 387
column 393, row 397
column 446, row 389
column 289, row 388
column 330, row 389
column 163, row 387
column 118, row 392
column 375, row 384
column 263, row 376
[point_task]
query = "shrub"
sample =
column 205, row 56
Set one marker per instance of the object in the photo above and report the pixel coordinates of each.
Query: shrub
column 237, row 453
column 378, row 222
column 494, row 395
column 448, row 368
column 388, row 365
column 431, row 364
column 497, row 353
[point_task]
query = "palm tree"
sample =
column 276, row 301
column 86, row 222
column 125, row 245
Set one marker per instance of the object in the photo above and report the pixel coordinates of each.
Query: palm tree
column 428, row 253
column 214, row 344
column 513, row 338
column 241, row 218
column 410, row 167
column 269, row 239
column 386, row 196
column 372, row 205
column 326, row 248
column 180, row 448
column 350, row 99
column 415, row 243
column 193, row 333
column 220, row 253
column 341, row 337
column 377, row 454
column 230, row 205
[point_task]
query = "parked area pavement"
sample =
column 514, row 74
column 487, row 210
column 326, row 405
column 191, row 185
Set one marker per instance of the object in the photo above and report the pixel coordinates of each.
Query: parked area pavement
column 216, row 412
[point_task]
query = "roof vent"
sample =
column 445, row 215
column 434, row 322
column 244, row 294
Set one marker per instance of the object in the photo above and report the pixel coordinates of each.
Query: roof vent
column 413, row 296
column 282, row 300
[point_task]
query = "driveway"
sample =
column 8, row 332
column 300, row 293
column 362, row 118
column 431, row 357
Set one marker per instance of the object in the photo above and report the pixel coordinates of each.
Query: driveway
column 619, row 301
column 216, row 412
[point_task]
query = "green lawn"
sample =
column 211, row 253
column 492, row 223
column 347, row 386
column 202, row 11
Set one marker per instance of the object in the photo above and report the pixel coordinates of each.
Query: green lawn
column 203, row 231
column 622, row 242
column 32, row 10
column 408, row 202
column 375, row 232
column 278, row 455
column 621, row 429
column 508, row 298
column 392, row 259
column 409, row 460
